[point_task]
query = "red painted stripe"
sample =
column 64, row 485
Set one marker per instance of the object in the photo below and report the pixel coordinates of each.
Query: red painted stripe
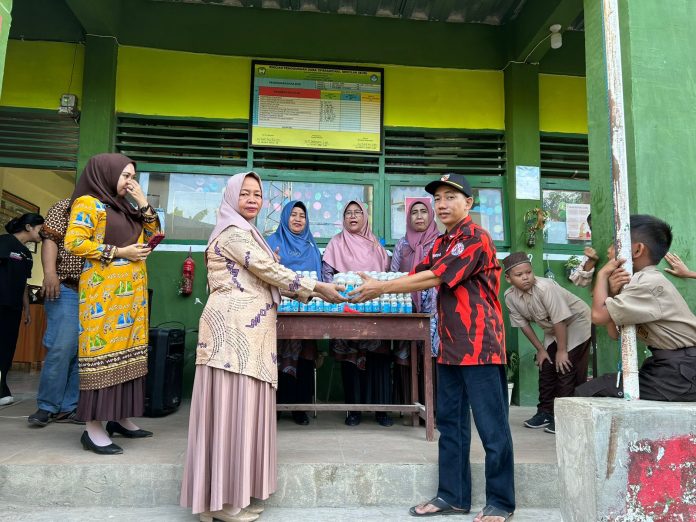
column 289, row 93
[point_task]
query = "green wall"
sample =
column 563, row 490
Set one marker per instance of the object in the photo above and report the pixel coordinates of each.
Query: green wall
column 658, row 70
column 164, row 275
column 162, row 82
column 5, row 22
column 659, row 94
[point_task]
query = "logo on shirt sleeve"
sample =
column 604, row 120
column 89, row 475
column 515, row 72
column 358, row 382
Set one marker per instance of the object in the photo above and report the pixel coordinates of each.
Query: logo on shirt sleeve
column 457, row 250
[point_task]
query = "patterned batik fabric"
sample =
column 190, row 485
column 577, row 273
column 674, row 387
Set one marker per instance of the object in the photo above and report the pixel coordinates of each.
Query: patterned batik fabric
column 470, row 315
column 68, row 266
column 112, row 300
column 237, row 330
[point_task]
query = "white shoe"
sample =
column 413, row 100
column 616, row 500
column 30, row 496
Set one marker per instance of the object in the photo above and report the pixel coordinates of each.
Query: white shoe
column 242, row 516
column 256, row 506
column 6, row 400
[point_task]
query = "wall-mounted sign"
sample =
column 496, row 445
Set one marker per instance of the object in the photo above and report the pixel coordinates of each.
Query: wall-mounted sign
column 316, row 106
column 576, row 221
column 527, row 182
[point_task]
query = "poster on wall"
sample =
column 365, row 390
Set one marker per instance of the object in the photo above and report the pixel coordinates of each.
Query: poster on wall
column 325, row 107
column 576, row 221
column 527, row 182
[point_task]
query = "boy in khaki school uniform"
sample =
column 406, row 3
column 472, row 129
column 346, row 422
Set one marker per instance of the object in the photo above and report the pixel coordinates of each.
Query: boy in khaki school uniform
column 651, row 302
column 562, row 357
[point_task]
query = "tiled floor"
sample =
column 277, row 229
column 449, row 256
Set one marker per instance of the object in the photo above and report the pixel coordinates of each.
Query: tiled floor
column 325, row 440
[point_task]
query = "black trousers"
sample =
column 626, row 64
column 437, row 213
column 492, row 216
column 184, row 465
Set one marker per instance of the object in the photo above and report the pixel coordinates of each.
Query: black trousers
column 371, row 385
column 669, row 375
column 553, row 384
column 10, row 319
column 484, row 388
column 297, row 390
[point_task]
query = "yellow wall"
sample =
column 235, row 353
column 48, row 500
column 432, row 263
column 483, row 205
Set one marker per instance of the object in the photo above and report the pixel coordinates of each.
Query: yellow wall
column 443, row 98
column 37, row 73
column 42, row 188
column 562, row 104
column 168, row 83
column 172, row 83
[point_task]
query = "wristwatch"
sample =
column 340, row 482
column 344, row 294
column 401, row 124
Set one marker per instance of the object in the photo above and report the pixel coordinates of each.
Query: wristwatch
column 145, row 208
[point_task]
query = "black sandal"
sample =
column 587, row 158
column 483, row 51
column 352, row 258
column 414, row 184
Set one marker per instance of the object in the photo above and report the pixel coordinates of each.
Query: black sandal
column 492, row 511
column 444, row 508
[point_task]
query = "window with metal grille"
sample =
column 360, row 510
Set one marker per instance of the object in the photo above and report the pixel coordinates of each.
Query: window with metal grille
column 163, row 140
column 435, row 152
column 37, row 138
column 304, row 160
column 564, row 156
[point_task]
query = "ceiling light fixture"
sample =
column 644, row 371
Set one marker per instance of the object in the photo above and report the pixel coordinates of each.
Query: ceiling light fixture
column 556, row 36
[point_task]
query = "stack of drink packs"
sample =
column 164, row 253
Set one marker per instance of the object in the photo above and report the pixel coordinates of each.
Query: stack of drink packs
column 385, row 304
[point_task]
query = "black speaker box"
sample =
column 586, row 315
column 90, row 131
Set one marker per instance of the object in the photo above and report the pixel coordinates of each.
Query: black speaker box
column 165, row 375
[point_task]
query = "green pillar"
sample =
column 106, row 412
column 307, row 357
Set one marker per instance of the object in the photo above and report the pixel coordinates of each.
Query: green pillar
column 5, row 22
column 97, row 121
column 658, row 71
column 522, row 137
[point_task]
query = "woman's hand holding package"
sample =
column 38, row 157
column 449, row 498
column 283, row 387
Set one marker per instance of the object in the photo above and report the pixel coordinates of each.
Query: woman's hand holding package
column 329, row 292
column 370, row 289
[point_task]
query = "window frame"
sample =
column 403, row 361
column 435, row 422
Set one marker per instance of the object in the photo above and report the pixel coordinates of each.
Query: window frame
column 380, row 181
column 275, row 175
column 568, row 185
column 476, row 181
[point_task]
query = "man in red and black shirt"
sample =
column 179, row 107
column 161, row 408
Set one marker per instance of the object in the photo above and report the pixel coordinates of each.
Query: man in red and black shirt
column 470, row 366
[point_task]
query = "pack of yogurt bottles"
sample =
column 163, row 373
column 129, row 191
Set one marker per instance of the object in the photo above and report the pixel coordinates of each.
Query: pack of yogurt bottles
column 385, row 304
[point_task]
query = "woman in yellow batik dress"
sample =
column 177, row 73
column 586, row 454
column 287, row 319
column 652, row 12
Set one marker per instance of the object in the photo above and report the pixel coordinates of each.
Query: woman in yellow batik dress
column 110, row 233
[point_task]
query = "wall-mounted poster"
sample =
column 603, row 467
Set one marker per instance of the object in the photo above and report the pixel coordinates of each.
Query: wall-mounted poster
column 528, row 182
column 576, row 221
column 310, row 106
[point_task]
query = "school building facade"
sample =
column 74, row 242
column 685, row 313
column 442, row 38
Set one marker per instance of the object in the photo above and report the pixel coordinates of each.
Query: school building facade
column 475, row 89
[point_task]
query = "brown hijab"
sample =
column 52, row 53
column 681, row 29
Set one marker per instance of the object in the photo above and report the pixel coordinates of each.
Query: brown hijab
column 100, row 179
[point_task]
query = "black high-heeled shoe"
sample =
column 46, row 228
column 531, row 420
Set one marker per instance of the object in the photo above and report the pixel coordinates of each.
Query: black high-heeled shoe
column 114, row 427
column 88, row 445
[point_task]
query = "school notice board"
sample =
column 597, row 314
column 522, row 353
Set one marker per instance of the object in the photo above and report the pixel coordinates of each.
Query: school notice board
column 310, row 106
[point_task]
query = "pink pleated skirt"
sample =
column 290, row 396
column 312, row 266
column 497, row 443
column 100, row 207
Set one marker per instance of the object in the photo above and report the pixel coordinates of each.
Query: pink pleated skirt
column 231, row 452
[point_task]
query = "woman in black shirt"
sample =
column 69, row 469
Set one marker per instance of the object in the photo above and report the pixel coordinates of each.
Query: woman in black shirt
column 15, row 269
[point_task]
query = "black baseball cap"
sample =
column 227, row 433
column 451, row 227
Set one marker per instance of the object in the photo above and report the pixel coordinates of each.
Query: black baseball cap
column 458, row 181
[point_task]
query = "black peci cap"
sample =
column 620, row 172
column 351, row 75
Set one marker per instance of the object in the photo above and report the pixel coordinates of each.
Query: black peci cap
column 514, row 259
column 457, row 181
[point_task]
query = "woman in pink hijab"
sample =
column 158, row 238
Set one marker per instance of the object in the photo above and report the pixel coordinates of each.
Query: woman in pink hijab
column 365, row 365
column 230, row 464
column 421, row 232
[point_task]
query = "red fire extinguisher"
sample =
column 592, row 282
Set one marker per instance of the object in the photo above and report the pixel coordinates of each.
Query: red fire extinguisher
column 187, row 275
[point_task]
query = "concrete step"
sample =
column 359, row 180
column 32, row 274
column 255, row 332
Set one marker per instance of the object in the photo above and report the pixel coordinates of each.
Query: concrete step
column 299, row 485
column 323, row 465
column 272, row 514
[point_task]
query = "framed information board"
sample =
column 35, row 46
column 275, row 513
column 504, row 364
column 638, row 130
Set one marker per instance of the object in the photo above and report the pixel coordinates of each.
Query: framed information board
column 324, row 107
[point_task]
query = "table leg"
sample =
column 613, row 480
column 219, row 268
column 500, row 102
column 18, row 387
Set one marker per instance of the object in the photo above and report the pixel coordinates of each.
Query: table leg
column 428, row 384
column 415, row 417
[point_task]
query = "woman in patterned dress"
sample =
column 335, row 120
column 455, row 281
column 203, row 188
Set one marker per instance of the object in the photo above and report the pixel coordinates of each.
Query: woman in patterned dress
column 231, row 454
column 110, row 234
